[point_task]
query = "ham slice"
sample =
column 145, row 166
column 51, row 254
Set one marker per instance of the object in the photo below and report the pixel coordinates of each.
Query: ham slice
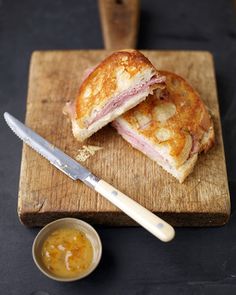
column 120, row 99
column 140, row 144
column 143, row 146
column 196, row 145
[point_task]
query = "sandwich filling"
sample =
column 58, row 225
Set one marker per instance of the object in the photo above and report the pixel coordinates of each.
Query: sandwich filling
column 141, row 144
column 123, row 97
column 118, row 101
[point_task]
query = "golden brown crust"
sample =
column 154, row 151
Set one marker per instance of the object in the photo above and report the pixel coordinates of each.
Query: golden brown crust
column 173, row 115
column 101, row 83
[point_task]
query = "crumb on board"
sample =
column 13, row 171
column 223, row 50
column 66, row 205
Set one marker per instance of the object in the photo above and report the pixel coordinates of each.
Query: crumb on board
column 86, row 152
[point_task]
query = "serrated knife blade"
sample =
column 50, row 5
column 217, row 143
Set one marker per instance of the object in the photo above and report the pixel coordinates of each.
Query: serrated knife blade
column 46, row 149
column 74, row 170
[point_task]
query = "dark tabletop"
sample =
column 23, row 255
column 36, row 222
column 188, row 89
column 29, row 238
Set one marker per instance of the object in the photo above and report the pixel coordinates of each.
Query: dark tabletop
column 198, row 261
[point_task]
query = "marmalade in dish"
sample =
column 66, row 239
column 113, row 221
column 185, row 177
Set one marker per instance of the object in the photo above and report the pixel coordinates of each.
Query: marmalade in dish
column 67, row 252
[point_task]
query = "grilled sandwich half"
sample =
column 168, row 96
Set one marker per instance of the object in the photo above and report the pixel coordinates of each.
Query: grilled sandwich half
column 172, row 127
column 117, row 84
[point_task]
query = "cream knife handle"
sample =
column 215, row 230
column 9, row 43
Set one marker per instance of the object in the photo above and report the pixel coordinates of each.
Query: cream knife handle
column 155, row 225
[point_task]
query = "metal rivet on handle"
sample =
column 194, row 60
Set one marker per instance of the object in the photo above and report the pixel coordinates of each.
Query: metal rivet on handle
column 160, row 225
column 114, row 193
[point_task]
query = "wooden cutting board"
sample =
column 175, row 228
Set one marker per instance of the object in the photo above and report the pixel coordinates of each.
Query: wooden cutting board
column 46, row 194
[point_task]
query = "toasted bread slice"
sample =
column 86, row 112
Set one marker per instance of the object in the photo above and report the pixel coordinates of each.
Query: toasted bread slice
column 119, row 83
column 172, row 126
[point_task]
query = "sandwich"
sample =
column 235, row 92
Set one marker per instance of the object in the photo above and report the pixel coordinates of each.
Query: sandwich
column 172, row 126
column 117, row 84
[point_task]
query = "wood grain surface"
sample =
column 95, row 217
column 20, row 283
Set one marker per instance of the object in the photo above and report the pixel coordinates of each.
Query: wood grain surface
column 119, row 20
column 46, row 194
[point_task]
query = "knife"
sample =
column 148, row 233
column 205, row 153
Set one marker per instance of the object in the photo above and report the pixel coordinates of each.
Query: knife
column 155, row 225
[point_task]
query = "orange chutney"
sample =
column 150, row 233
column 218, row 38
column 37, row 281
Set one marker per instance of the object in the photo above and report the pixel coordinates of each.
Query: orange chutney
column 67, row 252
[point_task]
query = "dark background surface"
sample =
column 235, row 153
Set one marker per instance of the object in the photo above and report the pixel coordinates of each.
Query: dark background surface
column 198, row 261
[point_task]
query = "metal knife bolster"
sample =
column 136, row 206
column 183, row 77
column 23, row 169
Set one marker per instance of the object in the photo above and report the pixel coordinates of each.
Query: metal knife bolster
column 91, row 180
